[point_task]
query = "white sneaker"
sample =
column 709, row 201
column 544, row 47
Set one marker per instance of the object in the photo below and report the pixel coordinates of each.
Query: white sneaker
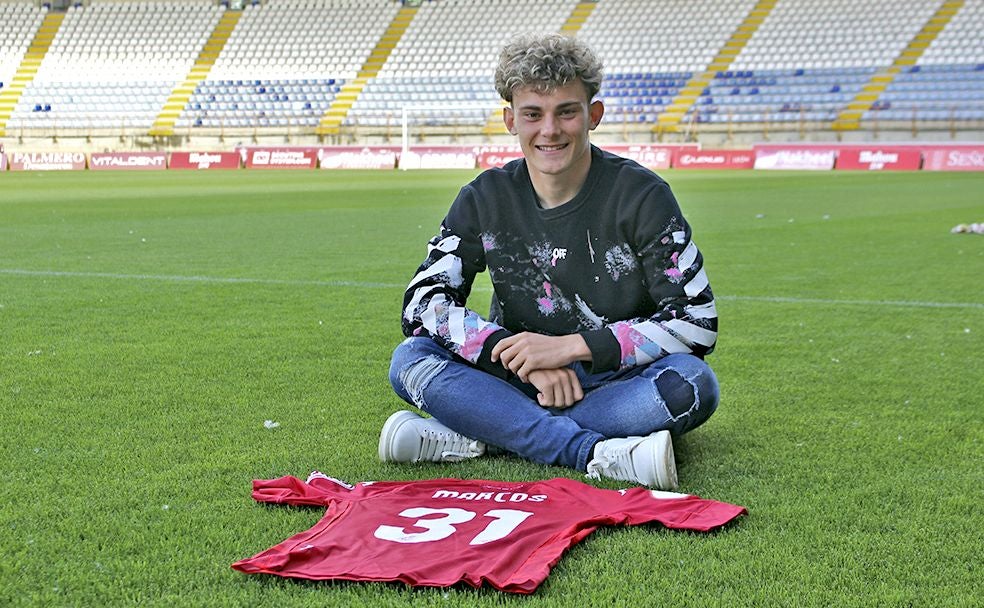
column 646, row 460
column 407, row 437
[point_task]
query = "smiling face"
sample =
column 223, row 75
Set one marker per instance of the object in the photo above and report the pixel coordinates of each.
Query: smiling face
column 553, row 132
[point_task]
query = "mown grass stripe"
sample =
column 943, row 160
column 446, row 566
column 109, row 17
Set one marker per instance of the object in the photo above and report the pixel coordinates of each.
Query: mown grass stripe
column 375, row 285
column 198, row 279
column 838, row 302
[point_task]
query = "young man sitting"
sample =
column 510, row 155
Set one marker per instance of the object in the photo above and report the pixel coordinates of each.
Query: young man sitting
column 592, row 355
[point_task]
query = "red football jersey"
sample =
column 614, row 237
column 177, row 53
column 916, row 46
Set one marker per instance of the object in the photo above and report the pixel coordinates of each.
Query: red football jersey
column 439, row 532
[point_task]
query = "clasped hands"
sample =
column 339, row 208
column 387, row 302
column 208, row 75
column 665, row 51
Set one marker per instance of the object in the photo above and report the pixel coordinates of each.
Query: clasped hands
column 542, row 361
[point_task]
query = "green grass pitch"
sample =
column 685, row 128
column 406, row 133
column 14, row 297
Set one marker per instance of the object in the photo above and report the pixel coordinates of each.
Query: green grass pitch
column 151, row 322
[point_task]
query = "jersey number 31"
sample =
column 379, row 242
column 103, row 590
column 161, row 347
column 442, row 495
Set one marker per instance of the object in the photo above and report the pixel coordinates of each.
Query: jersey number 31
column 504, row 521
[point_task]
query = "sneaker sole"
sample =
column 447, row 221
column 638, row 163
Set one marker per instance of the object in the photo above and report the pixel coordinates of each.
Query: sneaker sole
column 390, row 428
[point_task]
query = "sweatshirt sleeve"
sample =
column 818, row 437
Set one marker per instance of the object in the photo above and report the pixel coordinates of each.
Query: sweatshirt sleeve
column 434, row 301
column 685, row 318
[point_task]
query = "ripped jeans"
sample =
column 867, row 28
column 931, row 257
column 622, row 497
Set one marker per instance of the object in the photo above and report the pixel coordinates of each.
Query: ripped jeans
column 677, row 393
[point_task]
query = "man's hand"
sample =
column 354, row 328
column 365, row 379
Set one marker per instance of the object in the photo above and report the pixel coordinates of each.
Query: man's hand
column 527, row 352
column 558, row 388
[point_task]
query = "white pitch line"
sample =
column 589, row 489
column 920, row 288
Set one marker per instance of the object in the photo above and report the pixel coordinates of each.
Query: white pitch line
column 891, row 303
column 371, row 285
column 197, row 279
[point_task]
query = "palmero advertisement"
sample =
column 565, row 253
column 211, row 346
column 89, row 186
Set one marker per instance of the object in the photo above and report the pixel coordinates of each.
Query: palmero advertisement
column 47, row 161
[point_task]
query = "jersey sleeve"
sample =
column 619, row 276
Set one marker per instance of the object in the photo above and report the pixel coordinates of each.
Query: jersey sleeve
column 672, row 510
column 319, row 490
column 434, row 303
column 685, row 320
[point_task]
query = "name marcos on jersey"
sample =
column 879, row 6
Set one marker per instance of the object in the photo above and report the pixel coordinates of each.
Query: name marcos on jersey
column 494, row 496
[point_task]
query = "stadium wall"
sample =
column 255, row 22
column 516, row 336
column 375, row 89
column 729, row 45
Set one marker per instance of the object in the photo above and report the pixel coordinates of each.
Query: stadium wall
column 763, row 156
column 604, row 135
column 637, row 125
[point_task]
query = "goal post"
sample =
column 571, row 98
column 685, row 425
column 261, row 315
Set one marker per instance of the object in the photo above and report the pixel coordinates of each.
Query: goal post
column 460, row 118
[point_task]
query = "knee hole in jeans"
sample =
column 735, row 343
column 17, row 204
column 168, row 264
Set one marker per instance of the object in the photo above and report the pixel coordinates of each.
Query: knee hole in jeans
column 678, row 394
column 417, row 375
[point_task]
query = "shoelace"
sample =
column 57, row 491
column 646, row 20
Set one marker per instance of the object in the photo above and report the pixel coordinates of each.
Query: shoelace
column 450, row 446
column 618, row 464
column 472, row 450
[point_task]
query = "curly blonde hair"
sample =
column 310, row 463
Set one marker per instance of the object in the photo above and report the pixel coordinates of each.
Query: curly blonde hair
column 546, row 62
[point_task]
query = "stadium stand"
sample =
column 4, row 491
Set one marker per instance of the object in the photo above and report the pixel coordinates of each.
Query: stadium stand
column 447, row 56
column 112, row 65
column 947, row 81
column 285, row 63
column 348, row 68
column 653, row 50
column 332, row 120
column 21, row 23
column 808, row 60
column 178, row 100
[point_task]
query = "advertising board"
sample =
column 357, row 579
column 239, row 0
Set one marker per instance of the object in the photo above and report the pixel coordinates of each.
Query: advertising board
column 443, row 157
column 795, row 158
column 47, row 161
column 128, row 161
column 358, row 157
column 204, row 160
column 281, row 158
column 954, row 158
column 885, row 158
column 496, row 156
column 652, row 156
column 713, row 159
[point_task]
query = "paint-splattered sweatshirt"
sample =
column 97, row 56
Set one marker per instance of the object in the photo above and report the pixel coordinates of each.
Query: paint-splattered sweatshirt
column 615, row 264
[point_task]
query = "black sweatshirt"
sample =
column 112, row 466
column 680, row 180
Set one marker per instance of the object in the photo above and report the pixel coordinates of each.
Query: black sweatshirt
column 615, row 264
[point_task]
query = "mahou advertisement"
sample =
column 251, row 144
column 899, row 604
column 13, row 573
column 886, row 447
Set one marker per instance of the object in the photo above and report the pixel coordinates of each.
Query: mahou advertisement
column 202, row 161
column 879, row 159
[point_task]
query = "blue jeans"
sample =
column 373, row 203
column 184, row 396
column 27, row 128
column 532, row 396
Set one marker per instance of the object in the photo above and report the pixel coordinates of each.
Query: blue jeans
column 676, row 393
